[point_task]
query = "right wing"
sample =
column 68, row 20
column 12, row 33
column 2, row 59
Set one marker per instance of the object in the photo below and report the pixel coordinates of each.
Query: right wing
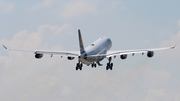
column 64, row 53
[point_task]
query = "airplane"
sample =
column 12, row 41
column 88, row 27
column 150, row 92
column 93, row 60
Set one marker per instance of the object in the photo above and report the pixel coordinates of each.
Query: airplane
column 94, row 53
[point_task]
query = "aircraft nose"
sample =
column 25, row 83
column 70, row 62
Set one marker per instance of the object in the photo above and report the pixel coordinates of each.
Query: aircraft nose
column 85, row 56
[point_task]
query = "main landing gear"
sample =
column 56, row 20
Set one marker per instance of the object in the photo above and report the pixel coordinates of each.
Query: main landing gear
column 109, row 64
column 79, row 66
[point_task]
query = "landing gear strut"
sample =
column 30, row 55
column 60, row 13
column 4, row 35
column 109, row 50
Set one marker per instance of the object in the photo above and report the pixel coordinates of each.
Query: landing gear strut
column 99, row 64
column 109, row 64
column 79, row 66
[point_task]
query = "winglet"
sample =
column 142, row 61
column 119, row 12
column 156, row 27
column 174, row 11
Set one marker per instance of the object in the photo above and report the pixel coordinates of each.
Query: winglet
column 174, row 46
column 81, row 42
column 4, row 47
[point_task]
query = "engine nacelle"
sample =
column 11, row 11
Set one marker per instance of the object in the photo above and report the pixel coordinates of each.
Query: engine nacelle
column 70, row 58
column 38, row 56
column 150, row 54
column 123, row 56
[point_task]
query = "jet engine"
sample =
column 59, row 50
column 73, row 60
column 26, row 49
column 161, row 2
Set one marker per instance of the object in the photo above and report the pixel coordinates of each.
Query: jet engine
column 123, row 56
column 70, row 58
column 150, row 54
column 38, row 56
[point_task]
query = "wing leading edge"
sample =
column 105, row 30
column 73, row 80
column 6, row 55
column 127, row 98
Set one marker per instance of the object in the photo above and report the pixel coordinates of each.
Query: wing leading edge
column 64, row 53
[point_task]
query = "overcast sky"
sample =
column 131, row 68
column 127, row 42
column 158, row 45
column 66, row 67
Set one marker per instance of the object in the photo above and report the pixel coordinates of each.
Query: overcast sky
column 53, row 25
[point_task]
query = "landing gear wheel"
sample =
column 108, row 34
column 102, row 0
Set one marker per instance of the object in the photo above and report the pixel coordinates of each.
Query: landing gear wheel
column 109, row 64
column 77, row 66
column 81, row 66
column 107, row 67
column 93, row 65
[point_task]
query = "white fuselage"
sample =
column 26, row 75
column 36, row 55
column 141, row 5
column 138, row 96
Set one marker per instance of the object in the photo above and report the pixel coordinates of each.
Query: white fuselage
column 100, row 46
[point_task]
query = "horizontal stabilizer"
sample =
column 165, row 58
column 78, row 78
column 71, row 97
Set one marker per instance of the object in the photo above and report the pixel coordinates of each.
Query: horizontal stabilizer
column 4, row 47
column 173, row 46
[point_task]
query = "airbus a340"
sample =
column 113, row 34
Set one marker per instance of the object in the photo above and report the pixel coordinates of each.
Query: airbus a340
column 94, row 53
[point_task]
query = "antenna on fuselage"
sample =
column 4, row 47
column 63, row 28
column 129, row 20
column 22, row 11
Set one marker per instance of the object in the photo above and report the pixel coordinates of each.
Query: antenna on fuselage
column 81, row 46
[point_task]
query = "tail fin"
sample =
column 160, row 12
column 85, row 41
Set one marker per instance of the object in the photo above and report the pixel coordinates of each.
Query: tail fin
column 81, row 46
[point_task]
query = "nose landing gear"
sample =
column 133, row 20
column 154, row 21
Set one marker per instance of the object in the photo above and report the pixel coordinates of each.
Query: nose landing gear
column 93, row 65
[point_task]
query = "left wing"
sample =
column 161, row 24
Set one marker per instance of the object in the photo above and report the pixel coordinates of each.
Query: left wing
column 115, row 53
column 125, row 52
column 64, row 53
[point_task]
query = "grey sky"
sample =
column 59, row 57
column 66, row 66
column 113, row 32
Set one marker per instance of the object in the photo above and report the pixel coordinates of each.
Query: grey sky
column 53, row 25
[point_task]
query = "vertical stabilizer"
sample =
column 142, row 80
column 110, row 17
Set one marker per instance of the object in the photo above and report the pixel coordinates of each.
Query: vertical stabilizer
column 81, row 42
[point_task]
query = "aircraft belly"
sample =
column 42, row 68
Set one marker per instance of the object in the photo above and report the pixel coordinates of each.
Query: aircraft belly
column 86, row 61
column 91, row 60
